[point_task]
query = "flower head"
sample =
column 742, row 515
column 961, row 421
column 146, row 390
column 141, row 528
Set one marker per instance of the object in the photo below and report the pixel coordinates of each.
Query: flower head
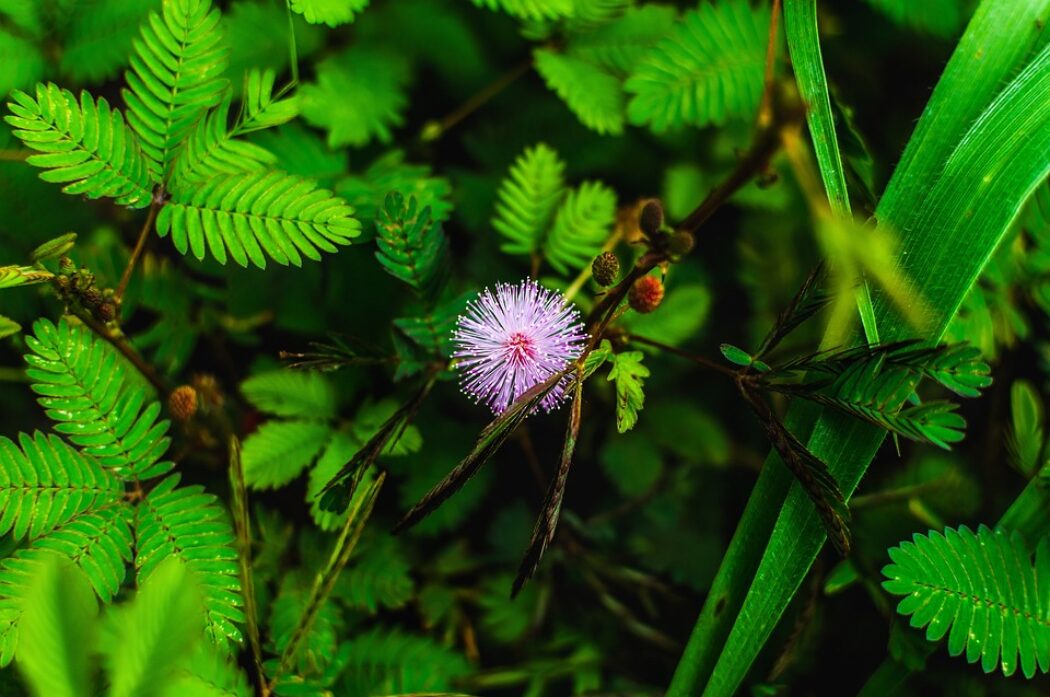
column 514, row 338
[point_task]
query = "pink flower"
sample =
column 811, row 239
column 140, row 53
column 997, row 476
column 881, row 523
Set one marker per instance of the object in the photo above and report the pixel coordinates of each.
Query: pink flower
column 514, row 338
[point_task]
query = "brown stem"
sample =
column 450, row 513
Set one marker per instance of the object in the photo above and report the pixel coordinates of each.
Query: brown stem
column 136, row 253
column 756, row 160
column 700, row 360
column 765, row 110
column 14, row 155
column 479, row 99
column 120, row 342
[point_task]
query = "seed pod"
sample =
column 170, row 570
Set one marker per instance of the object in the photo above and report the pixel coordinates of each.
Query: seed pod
column 92, row 296
column 605, row 268
column 651, row 217
column 183, row 403
column 646, row 294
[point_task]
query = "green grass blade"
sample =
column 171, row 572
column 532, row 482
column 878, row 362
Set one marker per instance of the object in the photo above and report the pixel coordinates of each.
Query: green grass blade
column 950, row 216
column 800, row 24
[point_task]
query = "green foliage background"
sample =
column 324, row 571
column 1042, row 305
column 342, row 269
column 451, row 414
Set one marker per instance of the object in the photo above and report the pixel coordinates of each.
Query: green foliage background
column 327, row 182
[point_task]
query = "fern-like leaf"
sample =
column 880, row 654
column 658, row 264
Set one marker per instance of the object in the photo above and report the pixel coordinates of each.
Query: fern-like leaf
column 261, row 108
column 99, row 37
column 981, row 591
column 291, row 393
column 276, row 453
column 379, row 576
column 83, row 386
column 99, row 543
column 330, row 12
column 191, row 525
column 384, row 661
column 527, row 199
column 581, row 227
column 411, row 247
column 254, row 215
column 23, row 62
column 709, row 69
column 531, row 9
column 85, row 145
column 318, row 645
column 18, row 573
column 592, row 94
column 176, row 75
column 619, row 46
column 210, row 150
column 45, row 483
column 629, row 375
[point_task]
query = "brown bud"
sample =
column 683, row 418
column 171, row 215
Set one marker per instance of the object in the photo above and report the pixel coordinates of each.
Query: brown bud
column 646, row 294
column 105, row 312
column 681, row 243
column 183, row 403
column 92, row 296
column 605, row 268
column 651, row 217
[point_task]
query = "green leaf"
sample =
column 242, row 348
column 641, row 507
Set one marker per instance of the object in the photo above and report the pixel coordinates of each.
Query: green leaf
column 708, row 70
column 1024, row 441
column 941, row 18
column 383, row 661
column 23, row 62
column 99, row 37
column 207, row 673
column 531, row 9
column 254, row 215
column 54, row 248
column 176, row 75
column 621, row 44
column 84, row 386
column 581, row 226
column 592, row 94
column 367, row 192
column 629, row 375
column 45, row 483
column 276, row 453
column 528, row 198
column 981, row 139
column 359, row 96
column 99, row 542
column 330, row 12
column 14, row 276
column 191, row 526
column 318, row 646
column 210, row 150
column 979, row 590
column 411, row 247
column 8, row 327
column 148, row 638
column 86, row 146
column 737, row 356
column 261, row 108
column 291, row 393
column 379, row 576
column 57, row 631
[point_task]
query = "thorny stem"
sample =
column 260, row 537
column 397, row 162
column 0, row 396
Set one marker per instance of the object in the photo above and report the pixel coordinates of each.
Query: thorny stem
column 477, row 100
column 120, row 342
column 136, row 252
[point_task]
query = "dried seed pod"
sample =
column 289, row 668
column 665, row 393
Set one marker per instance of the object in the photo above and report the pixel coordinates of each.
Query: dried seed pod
column 605, row 268
column 183, row 403
column 646, row 294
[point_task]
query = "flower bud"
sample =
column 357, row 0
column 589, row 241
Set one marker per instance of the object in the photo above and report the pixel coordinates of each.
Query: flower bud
column 183, row 403
column 605, row 268
column 646, row 294
column 651, row 217
column 681, row 243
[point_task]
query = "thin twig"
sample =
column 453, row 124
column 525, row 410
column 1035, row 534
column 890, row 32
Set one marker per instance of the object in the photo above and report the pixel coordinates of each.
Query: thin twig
column 477, row 100
column 136, row 252
column 765, row 111
column 120, row 342
column 242, row 525
column 700, row 360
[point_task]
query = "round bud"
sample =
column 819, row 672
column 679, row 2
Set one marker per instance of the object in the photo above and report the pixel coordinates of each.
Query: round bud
column 92, row 296
column 681, row 243
column 646, row 294
column 182, row 402
column 105, row 312
column 651, row 217
column 605, row 268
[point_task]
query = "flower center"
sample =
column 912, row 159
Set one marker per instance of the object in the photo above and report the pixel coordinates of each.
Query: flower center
column 520, row 348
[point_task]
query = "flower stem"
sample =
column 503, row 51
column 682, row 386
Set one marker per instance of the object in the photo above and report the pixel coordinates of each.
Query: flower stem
column 136, row 253
column 436, row 129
